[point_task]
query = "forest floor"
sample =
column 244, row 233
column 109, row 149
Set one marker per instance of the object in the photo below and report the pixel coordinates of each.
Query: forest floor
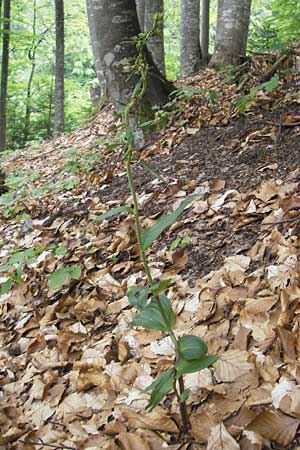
column 72, row 369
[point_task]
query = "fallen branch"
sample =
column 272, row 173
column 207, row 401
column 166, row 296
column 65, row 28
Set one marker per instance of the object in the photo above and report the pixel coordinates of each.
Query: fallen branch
column 268, row 75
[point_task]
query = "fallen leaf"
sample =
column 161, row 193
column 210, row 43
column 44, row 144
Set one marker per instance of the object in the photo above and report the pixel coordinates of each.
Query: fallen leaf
column 219, row 438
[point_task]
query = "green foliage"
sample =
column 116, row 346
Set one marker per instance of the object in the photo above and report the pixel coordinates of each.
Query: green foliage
column 191, row 347
column 180, row 242
column 20, row 258
column 247, row 100
column 184, row 366
column 160, row 387
column 155, row 316
column 112, row 212
column 79, row 70
column 61, row 276
column 164, row 222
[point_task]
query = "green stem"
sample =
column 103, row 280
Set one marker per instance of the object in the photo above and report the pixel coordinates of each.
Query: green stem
column 136, row 97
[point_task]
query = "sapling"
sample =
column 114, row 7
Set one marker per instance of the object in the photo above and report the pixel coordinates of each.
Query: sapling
column 155, row 311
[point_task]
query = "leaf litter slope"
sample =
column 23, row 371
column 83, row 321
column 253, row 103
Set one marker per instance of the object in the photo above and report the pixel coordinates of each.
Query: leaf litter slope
column 73, row 371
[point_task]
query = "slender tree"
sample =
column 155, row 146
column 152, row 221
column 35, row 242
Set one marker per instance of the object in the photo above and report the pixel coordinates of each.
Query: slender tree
column 59, row 67
column 204, row 30
column 156, row 44
column 140, row 8
column 4, row 74
column 95, row 46
column 232, row 32
column 117, row 22
column 36, row 41
column 190, row 53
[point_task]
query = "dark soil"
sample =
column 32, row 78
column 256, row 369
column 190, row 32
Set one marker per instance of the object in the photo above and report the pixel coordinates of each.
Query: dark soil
column 232, row 153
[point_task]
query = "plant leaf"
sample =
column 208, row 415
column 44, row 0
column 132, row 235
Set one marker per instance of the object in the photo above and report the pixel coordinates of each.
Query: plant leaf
column 191, row 347
column 138, row 296
column 183, row 366
column 6, row 286
column 158, row 288
column 185, row 395
column 160, row 387
column 112, row 212
column 58, row 278
column 164, row 222
column 151, row 317
column 74, row 272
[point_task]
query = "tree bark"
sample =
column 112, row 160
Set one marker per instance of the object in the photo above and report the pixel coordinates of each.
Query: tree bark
column 156, row 44
column 59, row 68
column 95, row 47
column 4, row 74
column 190, row 52
column 117, row 22
column 204, row 30
column 232, row 32
column 140, row 9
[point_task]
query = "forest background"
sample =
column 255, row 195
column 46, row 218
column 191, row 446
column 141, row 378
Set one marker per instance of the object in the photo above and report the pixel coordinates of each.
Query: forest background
column 273, row 24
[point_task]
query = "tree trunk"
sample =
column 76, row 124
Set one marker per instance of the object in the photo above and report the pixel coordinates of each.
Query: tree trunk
column 190, row 52
column 49, row 121
column 204, row 30
column 95, row 46
column 140, row 9
column 117, row 22
column 232, row 32
column 59, row 68
column 31, row 57
column 156, row 44
column 4, row 74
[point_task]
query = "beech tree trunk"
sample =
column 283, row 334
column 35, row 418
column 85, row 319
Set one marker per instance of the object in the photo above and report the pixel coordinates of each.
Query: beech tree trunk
column 232, row 32
column 59, row 68
column 190, row 52
column 204, row 30
column 4, row 74
column 156, row 44
column 117, row 22
column 140, row 9
column 95, row 47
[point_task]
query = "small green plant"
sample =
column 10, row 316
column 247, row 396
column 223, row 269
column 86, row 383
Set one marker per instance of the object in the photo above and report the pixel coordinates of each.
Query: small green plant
column 15, row 266
column 246, row 101
column 19, row 259
column 180, row 242
column 61, row 276
column 154, row 307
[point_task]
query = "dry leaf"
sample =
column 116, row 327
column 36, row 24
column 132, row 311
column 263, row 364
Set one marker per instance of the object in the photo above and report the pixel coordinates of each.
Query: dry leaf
column 231, row 365
column 219, row 438
column 276, row 426
column 132, row 441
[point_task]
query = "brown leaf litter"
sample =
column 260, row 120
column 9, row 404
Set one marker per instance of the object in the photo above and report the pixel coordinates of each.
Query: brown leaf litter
column 73, row 371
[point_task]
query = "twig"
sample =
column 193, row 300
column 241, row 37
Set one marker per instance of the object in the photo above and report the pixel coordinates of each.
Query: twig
column 280, row 222
column 41, row 442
